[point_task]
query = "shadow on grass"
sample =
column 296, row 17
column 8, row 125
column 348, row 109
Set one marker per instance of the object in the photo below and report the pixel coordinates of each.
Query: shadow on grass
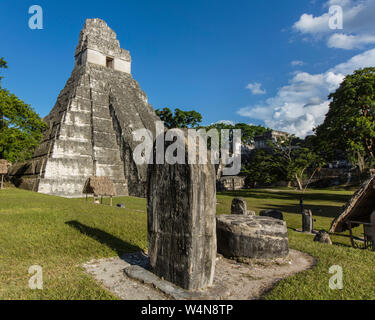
column 105, row 238
column 317, row 210
column 286, row 195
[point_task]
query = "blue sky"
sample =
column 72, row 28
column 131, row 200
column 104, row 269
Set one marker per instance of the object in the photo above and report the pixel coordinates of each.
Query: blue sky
column 261, row 62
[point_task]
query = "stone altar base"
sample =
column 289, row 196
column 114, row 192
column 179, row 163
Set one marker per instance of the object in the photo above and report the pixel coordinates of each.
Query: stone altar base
column 251, row 237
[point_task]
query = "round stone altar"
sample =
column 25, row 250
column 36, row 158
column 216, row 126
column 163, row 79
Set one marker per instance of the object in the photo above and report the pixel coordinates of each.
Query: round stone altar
column 251, row 237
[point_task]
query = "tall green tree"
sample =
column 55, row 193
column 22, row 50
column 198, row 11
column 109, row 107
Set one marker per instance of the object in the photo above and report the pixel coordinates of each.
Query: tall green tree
column 21, row 127
column 287, row 159
column 180, row 118
column 350, row 122
column 248, row 132
column 293, row 158
column 261, row 169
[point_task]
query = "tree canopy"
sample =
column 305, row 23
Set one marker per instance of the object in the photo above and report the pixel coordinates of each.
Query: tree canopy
column 350, row 122
column 180, row 118
column 261, row 169
column 287, row 159
column 192, row 119
column 3, row 65
column 293, row 157
column 248, row 133
column 20, row 126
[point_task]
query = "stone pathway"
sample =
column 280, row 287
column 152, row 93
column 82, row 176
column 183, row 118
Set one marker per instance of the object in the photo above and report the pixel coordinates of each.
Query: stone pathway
column 255, row 276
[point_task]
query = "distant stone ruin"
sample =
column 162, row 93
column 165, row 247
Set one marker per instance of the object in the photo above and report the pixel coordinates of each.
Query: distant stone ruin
column 181, row 210
column 230, row 183
column 91, row 125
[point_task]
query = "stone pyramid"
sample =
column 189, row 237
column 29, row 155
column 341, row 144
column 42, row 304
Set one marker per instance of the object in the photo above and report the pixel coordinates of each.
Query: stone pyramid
column 91, row 125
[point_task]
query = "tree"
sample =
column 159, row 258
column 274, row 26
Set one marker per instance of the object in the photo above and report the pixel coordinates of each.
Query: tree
column 180, row 119
column 350, row 122
column 293, row 158
column 20, row 127
column 3, row 65
column 287, row 159
column 248, row 132
column 261, row 169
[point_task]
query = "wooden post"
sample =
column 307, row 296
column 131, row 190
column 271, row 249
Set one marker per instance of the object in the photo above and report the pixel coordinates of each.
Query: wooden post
column 351, row 234
column 110, row 201
column 101, row 199
column 301, row 204
column 2, row 182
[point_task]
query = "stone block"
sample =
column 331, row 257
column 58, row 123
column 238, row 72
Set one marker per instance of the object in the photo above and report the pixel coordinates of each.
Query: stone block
column 323, row 237
column 307, row 221
column 251, row 237
column 239, row 206
column 276, row 214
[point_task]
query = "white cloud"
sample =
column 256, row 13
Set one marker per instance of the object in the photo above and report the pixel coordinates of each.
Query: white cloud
column 310, row 24
column 348, row 42
column 296, row 63
column 358, row 25
column 302, row 104
column 257, row 112
column 256, row 88
column 226, row 122
column 365, row 59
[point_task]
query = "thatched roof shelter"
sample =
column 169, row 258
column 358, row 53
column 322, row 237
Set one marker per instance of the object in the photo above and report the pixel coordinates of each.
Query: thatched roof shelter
column 4, row 165
column 359, row 208
column 99, row 186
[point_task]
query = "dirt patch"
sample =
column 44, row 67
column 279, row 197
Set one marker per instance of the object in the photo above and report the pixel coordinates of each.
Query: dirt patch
column 255, row 276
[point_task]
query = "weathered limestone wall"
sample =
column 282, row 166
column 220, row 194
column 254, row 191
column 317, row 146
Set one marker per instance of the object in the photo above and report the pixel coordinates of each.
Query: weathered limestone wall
column 91, row 125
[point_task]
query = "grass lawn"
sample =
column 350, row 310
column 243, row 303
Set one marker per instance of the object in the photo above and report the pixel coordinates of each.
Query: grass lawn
column 60, row 234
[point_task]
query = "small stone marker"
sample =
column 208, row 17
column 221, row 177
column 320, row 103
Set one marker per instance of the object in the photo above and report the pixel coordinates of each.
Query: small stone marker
column 251, row 213
column 323, row 237
column 239, row 206
column 307, row 221
column 276, row 214
column 181, row 211
column 251, row 237
column 121, row 205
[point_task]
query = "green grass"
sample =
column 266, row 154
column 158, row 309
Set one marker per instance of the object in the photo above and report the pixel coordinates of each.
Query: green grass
column 61, row 234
